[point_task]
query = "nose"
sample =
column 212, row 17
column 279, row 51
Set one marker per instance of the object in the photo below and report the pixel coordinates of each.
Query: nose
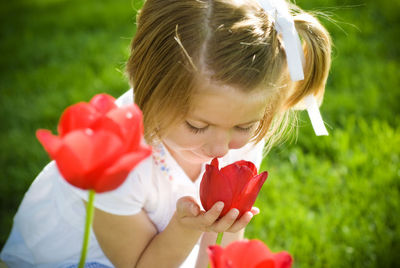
column 218, row 146
column 218, row 152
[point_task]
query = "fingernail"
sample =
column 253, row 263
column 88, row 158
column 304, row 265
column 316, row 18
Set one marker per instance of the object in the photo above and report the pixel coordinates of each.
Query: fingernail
column 220, row 205
column 256, row 211
column 235, row 212
column 250, row 215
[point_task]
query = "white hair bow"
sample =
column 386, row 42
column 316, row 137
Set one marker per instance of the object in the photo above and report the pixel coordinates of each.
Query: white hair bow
column 284, row 25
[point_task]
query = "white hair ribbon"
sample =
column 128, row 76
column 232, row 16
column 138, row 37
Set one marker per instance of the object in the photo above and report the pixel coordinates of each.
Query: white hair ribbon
column 284, row 25
column 315, row 115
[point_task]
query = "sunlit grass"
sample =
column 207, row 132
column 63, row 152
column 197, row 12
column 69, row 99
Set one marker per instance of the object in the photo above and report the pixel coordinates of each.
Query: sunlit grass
column 340, row 209
column 54, row 54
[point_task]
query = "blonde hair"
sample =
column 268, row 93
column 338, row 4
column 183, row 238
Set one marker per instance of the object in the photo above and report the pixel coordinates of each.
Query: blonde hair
column 232, row 42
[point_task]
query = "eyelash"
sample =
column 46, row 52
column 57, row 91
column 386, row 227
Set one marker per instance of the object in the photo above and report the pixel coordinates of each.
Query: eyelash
column 196, row 130
column 244, row 129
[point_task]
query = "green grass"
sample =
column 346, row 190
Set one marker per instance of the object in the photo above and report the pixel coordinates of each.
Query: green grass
column 330, row 201
column 340, row 209
column 54, row 54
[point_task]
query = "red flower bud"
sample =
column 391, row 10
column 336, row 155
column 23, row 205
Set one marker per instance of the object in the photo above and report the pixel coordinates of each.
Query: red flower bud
column 98, row 143
column 237, row 185
column 247, row 254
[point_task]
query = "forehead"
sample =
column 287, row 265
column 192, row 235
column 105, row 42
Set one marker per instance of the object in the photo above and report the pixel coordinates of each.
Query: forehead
column 227, row 106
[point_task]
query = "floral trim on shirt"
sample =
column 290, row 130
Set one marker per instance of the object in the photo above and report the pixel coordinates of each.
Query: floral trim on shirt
column 159, row 156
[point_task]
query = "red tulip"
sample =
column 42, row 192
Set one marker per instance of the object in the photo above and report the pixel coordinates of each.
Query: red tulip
column 98, row 143
column 237, row 185
column 247, row 254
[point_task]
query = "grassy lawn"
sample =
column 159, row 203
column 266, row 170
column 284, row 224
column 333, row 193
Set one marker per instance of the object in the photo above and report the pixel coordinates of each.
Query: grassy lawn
column 330, row 201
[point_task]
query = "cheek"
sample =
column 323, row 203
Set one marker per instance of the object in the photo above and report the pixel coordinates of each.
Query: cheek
column 238, row 141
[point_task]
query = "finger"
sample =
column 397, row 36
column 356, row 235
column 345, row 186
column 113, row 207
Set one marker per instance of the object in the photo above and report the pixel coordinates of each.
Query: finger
column 212, row 214
column 241, row 223
column 225, row 222
column 255, row 210
column 187, row 207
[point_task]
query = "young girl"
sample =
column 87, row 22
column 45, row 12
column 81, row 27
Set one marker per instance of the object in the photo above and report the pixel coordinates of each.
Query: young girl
column 214, row 78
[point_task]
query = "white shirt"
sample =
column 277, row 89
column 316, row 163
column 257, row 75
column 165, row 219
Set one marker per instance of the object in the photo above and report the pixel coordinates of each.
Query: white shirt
column 48, row 226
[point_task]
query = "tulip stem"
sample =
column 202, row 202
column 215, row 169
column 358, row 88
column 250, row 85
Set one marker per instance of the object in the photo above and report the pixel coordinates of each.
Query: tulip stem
column 219, row 238
column 88, row 224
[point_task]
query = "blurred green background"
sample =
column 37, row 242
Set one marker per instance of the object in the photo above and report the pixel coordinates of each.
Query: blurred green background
column 330, row 201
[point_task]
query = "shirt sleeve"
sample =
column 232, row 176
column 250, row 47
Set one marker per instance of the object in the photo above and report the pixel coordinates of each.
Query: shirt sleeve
column 129, row 198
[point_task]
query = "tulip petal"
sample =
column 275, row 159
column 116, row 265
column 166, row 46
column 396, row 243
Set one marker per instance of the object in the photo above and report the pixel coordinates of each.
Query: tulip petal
column 217, row 257
column 50, row 142
column 206, row 183
column 71, row 166
column 247, row 253
column 103, row 103
column 283, row 260
column 238, row 177
column 129, row 120
column 255, row 184
column 107, row 124
column 99, row 143
column 97, row 150
column 248, row 164
column 85, row 154
column 249, row 195
column 115, row 175
column 77, row 116
column 215, row 187
column 107, row 148
column 268, row 263
column 215, row 163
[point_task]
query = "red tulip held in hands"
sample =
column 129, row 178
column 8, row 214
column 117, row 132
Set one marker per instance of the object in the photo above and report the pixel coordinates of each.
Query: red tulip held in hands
column 237, row 185
column 98, row 143
column 247, row 254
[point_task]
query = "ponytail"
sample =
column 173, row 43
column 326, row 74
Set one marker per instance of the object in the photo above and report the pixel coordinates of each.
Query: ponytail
column 317, row 53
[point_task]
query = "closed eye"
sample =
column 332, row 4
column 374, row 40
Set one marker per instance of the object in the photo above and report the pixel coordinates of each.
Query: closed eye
column 245, row 129
column 194, row 129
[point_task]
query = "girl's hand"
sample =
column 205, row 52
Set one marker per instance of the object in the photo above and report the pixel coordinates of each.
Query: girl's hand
column 190, row 215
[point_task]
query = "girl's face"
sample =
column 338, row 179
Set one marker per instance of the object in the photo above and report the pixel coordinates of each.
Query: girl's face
column 221, row 118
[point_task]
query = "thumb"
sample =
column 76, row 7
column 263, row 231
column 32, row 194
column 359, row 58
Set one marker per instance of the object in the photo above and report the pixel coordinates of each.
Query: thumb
column 187, row 207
